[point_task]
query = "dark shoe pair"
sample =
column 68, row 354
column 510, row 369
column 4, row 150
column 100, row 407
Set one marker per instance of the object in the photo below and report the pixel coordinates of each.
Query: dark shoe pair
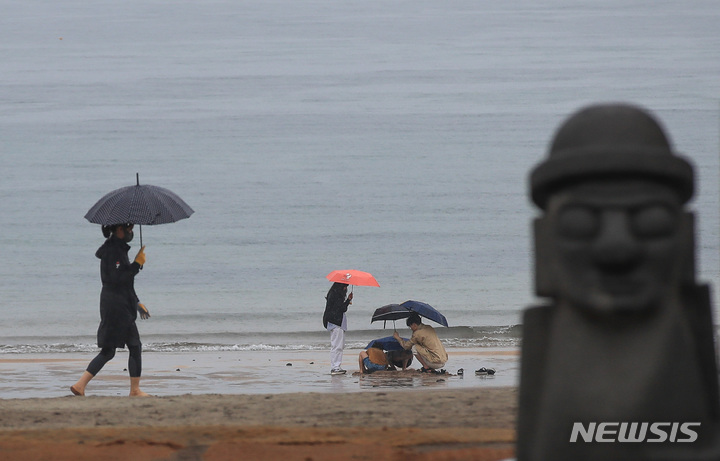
column 485, row 371
column 430, row 370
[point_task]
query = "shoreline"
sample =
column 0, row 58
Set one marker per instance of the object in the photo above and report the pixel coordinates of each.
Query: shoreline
column 27, row 376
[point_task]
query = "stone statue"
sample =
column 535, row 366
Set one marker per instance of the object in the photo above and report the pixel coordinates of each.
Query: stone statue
column 627, row 336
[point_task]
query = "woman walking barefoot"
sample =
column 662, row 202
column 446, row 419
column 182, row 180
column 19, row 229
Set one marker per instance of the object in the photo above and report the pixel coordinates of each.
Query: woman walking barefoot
column 119, row 306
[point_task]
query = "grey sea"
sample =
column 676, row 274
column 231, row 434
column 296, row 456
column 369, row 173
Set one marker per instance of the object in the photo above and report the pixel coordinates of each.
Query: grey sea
column 390, row 137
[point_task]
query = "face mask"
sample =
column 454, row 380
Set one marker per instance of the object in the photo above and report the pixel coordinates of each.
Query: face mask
column 128, row 236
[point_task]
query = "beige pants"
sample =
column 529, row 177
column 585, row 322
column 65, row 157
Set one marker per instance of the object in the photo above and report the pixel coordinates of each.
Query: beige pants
column 425, row 354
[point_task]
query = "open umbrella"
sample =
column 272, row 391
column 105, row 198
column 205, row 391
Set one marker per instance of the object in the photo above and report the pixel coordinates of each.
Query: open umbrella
column 390, row 312
column 425, row 310
column 404, row 310
column 353, row 277
column 138, row 204
column 388, row 343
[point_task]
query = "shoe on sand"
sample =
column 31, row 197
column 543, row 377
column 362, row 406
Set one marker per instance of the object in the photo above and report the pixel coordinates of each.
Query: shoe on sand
column 432, row 371
column 338, row 371
column 485, row 371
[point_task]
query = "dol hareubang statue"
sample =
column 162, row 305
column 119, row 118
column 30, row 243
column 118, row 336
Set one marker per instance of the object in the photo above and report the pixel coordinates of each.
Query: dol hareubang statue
column 628, row 334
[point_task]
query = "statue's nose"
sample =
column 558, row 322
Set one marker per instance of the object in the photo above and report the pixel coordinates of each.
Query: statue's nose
column 616, row 248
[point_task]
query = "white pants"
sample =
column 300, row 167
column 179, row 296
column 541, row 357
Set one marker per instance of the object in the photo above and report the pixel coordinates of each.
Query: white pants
column 337, row 344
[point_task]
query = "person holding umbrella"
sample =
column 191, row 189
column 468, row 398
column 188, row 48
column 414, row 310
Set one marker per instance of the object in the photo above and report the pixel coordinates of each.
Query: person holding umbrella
column 335, row 321
column 429, row 350
column 119, row 306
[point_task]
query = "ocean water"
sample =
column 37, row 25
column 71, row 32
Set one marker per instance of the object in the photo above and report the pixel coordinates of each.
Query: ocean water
column 390, row 137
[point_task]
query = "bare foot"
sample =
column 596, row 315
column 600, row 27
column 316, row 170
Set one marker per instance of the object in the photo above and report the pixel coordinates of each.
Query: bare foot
column 139, row 393
column 77, row 390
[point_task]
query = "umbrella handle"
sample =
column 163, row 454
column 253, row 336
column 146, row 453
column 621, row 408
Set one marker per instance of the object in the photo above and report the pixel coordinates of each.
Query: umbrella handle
column 137, row 180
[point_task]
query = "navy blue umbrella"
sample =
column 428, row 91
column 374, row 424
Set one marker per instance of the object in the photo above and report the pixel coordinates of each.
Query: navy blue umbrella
column 425, row 310
column 388, row 343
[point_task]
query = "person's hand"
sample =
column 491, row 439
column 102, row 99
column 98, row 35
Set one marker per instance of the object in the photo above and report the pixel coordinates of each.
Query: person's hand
column 350, row 297
column 396, row 335
column 140, row 258
column 144, row 312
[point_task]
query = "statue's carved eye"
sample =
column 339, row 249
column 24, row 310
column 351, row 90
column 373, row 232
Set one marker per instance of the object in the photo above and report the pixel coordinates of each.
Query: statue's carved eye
column 578, row 222
column 654, row 221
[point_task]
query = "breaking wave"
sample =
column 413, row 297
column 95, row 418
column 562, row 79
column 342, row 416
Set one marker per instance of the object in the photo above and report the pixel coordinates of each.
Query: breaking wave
column 455, row 337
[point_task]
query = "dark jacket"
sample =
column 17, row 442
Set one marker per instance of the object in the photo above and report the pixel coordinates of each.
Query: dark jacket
column 336, row 304
column 118, row 301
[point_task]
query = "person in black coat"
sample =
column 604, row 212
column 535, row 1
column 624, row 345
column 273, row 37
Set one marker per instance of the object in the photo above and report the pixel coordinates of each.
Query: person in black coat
column 119, row 306
column 335, row 322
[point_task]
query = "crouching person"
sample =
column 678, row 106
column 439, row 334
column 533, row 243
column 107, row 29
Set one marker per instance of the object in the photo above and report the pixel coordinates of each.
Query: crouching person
column 428, row 349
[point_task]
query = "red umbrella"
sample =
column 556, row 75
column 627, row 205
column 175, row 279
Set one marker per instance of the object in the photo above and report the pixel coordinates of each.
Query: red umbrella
column 353, row 277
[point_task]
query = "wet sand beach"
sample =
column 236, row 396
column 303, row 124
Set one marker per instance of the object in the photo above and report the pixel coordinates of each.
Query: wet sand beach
column 242, row 372
column 272, row 405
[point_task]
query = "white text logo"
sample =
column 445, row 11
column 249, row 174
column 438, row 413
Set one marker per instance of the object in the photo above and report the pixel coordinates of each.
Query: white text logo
column 634, row 432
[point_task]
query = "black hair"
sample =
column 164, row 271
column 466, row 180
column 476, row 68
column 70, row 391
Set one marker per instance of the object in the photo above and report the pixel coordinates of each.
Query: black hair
column 414, row 318
column 111, row 228
column 337, row 287
column 400, row 358
column 107, row 230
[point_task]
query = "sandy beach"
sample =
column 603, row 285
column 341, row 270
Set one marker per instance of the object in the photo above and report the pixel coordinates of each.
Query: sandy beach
column 273, row 405
column 427, row 424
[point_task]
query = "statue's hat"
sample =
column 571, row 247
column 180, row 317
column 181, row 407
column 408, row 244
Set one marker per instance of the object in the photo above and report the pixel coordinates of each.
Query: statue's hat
column 610, row 141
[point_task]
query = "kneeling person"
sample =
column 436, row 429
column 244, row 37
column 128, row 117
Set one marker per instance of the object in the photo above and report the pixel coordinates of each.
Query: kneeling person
column 399, row 359
column 373, row 359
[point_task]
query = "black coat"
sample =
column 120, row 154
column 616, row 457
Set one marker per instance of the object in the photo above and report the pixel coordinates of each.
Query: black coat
column 118, row 301
column 336, row 305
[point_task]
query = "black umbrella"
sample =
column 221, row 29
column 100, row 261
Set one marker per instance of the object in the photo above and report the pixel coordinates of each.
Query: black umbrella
column 138, row 204
column 389, row 312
